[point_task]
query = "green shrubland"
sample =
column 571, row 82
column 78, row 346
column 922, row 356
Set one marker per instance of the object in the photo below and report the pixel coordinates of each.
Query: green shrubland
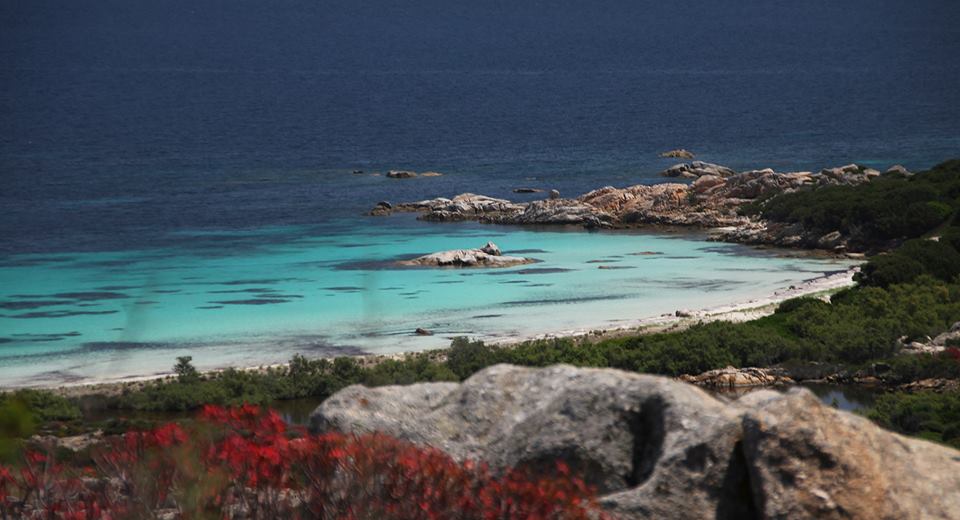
column 930, row 415
column 892, row 207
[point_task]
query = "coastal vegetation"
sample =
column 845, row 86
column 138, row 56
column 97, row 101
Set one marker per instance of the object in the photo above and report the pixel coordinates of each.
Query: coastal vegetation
column 931, row 415
column 246, row 462
column 910, row 293
column 888, row 209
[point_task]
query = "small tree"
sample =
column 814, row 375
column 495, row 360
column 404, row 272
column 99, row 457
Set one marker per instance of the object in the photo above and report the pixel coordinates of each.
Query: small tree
column 185, row 371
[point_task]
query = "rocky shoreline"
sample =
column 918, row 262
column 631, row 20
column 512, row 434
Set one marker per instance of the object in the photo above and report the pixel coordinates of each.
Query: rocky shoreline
column 713, row 198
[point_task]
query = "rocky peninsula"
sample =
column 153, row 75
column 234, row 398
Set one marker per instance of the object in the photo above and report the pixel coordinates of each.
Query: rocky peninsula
column 712, row 197
column 658, row 448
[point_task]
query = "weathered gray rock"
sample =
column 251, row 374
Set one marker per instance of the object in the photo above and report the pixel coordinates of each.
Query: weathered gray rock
column 554, row 194
column 952, row 334
column 558, row 211
column 807, row 460
column 610, row 425
column 705, row 183
column 382, row 208
column 491, row 249
column 898, row 169
column 466, row 206
column 696, row 169
column 932, row 346
column 658, row 448
column 401, row 174
column 679, row 153
column 832, row 240
column 486, row 256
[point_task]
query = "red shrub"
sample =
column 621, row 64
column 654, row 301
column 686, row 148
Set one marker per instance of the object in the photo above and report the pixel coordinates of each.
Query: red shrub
column 246, row 462
column 952, row 353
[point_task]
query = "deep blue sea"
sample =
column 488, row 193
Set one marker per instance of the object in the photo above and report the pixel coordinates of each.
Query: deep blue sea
column 177, row 145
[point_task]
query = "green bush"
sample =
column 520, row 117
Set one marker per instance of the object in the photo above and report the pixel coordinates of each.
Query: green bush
column 466, row 357
column 930, row 415
column 43, row 405
column 914, row 258
column 889, row 208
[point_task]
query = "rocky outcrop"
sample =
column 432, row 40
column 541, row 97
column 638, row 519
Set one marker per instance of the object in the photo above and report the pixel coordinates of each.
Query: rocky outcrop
column 711, row 200
column 466, row 206
column 679, row 153
column 657, row 448
column 949, row 337
column 557, row 211
column 401, row 174
column 697, row 169
column 899, row 170
column 850, row 175
column 931, row 385
column 935, row 345
column 486, row 256
column 730, row 377
column 382, row 208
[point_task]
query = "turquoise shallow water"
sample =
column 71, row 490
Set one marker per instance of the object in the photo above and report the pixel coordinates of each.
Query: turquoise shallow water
column 256, row 297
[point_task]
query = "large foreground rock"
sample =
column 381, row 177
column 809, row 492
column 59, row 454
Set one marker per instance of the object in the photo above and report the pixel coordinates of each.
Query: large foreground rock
column 658, row 448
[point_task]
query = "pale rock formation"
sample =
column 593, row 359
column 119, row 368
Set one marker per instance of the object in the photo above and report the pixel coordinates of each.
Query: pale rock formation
column 659, row 448
column 486, row 256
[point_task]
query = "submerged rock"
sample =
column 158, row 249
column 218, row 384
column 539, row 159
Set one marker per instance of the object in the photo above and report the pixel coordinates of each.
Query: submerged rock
column 658, row 448
column 423, row 332
column 527, row 190
column 401, row 174
column 486, row 256
column 382, row 208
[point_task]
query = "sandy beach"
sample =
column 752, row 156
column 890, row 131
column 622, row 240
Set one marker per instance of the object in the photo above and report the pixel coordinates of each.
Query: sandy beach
column 734, row 312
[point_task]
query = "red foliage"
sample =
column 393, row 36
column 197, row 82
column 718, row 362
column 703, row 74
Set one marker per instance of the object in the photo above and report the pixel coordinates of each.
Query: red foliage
column 246, row 462
column 952, row 353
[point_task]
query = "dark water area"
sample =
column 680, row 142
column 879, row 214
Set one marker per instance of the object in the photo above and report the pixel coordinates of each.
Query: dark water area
column 125, row 123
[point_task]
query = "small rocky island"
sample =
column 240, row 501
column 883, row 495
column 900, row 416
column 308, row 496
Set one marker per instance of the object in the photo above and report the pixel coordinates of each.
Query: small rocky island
column 486, row 256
